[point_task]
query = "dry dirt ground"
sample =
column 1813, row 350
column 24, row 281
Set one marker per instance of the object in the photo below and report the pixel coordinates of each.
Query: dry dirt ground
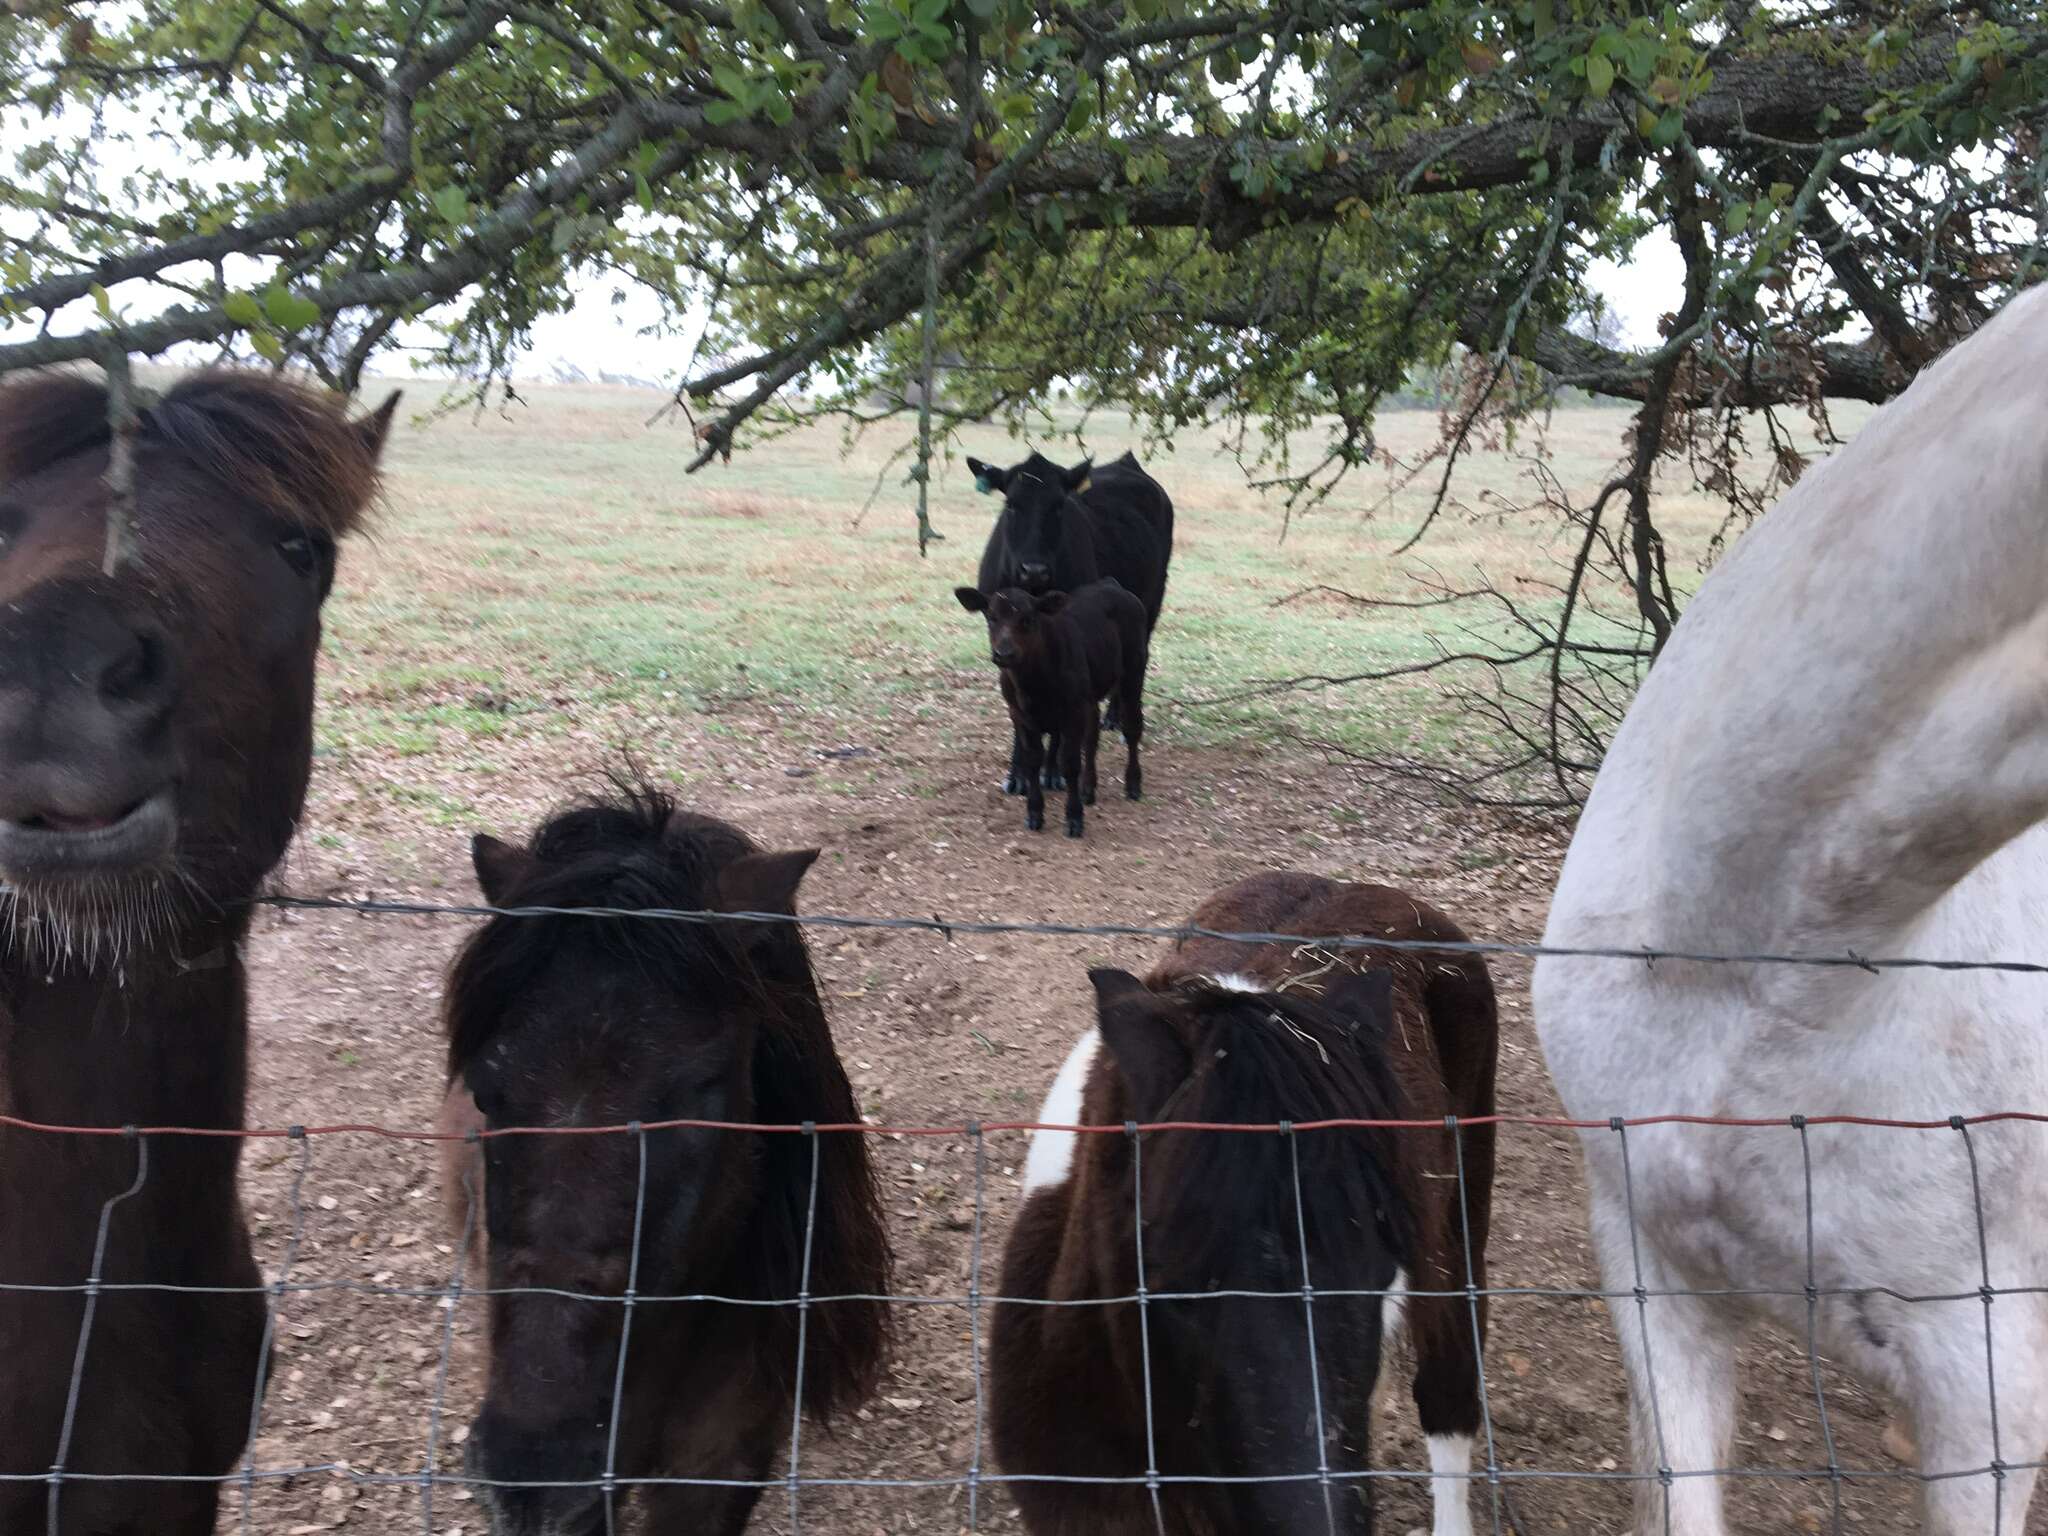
column 934, row 1033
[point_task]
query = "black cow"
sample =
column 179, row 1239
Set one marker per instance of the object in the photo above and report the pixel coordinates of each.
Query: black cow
column 1062, row 528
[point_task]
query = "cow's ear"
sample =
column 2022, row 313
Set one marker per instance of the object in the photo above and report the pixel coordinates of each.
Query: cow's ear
column 1077, row 478
column 972, row 599
column 987, row 477
column 1051, row 602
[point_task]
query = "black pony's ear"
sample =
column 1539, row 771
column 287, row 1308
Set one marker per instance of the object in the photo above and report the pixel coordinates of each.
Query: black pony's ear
column 500, row 867
column 987, row 477
column 973, row 599
column 1077, row 478
column 1364, row 999
column 765, row 882
column 762, row 882
column 374, row 428
column 1137, row 1028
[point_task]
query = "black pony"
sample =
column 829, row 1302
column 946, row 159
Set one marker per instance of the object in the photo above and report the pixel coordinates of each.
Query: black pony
column 571, row 1021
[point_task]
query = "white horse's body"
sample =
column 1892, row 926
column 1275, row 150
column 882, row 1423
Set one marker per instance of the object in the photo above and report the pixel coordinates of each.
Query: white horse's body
column 1843, row 748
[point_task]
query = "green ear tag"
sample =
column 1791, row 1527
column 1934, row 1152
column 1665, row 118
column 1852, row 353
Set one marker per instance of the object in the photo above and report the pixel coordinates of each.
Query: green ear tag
column 981, row 484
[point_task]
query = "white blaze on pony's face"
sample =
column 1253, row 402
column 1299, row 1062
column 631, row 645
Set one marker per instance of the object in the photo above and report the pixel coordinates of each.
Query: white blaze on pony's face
column 1843, row 748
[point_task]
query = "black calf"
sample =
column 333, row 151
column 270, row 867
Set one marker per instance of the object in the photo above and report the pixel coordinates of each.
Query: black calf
column 1060, row 654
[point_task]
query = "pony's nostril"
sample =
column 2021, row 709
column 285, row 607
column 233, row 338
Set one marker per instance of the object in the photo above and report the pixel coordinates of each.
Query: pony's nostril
column 138, row 671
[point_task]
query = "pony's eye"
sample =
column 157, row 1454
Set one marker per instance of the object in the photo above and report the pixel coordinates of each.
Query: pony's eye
column 301, row 551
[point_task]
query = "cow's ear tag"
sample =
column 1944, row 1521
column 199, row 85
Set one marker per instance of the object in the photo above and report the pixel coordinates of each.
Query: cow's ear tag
column 1084, row 485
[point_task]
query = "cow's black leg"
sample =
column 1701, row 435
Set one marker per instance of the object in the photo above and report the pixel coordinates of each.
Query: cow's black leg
column 1074, row 745
column 1034, row 786
column 1055, row 778
column 1014, row 784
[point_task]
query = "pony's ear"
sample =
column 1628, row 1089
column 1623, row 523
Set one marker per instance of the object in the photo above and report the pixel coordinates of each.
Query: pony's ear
column 1077, row 478
column 374, row 428
column 1050, row 602
column 987, row 477
column 1363, row 998
column 973, row 599
column 1139, row 1033
column 499, row 867
column 764, row 882
column 761, row 882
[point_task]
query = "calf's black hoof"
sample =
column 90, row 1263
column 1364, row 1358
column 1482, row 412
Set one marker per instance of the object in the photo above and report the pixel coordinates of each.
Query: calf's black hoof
column 1034, row 821
column 1133, row 792
column 1073, row 826
column 1055, row 781
column 1013, row 785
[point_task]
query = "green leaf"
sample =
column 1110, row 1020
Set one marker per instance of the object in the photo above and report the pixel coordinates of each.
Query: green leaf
column 1599, row 76
column 981, row 10
column 1668, row 128
column 719, row 113
column 243, row 309
column 101, row 302
column 1736, row 219
column 289, row 311
column 452, row 203
column 268, row 344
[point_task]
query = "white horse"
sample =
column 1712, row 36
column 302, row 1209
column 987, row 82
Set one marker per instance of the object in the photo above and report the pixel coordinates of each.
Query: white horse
column 1843, row 748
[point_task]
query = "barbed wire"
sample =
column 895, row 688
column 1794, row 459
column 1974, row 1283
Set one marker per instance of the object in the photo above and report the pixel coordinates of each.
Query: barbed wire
column 952, row 927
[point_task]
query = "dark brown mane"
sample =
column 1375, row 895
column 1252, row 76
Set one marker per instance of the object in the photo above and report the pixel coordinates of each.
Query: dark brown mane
column 288, row 446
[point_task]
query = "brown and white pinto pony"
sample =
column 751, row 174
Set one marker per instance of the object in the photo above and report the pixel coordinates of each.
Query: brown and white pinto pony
column 155, row 744
column 567, row 1021
column 1228, row 1033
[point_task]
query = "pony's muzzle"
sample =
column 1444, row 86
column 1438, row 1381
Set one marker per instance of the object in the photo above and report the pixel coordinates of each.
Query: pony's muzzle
column 87, row 765
column 535, row 1485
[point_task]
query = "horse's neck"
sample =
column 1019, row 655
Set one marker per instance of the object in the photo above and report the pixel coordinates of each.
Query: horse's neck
column 158, row 1039
column 1855, row 713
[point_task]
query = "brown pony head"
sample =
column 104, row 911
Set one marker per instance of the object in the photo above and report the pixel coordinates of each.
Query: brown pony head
column 156, row 723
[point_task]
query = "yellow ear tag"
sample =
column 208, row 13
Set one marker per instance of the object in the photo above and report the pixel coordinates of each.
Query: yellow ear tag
column 1090, row 480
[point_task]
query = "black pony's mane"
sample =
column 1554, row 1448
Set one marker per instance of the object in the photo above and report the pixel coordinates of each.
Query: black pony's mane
column 1264, row 1059
column 634, row 850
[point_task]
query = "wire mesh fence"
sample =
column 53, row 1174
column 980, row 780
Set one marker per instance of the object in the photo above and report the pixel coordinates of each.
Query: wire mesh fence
column 1495, row 1480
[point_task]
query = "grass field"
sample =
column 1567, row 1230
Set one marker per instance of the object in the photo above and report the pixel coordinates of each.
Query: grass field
column 558, row 552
